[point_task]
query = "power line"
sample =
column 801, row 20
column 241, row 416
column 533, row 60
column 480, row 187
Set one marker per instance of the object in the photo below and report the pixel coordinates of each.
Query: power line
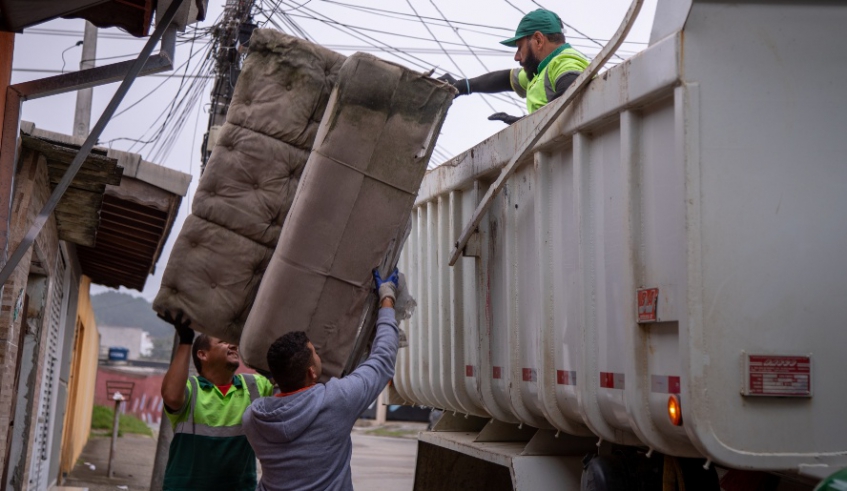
column 456, row 31
column 439, row 22
column 53, row 70
column 411, row 59
column 145, row 96
column 414, row 60
column 442, row 48
column 598, row 43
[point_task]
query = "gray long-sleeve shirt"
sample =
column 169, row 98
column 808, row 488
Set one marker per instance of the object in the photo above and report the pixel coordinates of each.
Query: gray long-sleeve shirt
column 303, row 440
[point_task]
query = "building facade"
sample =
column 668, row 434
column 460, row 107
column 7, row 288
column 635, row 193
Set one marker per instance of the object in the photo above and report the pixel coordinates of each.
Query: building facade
column 134, row 339
column 50, row 340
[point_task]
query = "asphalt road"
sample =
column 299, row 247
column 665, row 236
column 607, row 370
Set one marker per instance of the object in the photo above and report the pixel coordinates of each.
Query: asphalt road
column 382, row 463
column 379, row 463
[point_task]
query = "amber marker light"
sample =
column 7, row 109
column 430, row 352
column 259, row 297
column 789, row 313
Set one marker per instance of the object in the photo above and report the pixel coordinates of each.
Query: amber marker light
column 675, row 410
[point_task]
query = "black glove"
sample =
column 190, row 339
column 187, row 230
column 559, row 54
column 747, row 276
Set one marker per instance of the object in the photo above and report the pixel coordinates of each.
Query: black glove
column 506, row 118
column 461, row 85
column 183, row 327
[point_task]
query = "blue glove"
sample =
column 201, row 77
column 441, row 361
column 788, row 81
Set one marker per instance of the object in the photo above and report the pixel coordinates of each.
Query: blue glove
column 387, row 288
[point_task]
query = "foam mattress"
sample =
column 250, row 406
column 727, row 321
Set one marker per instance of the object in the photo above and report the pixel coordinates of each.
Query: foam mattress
column 249, row 184
column 354, row 198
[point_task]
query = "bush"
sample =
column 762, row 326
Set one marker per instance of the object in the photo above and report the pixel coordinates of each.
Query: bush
column 102, row 418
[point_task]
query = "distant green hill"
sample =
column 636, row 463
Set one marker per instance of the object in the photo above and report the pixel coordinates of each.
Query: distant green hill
column 123, row 310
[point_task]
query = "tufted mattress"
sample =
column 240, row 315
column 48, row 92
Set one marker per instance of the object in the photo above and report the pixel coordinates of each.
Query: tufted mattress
column 356, row 193
column 249, row 183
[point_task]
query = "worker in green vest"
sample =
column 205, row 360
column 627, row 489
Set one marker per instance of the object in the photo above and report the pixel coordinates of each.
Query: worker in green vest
column 209, row 450
column 548, row 65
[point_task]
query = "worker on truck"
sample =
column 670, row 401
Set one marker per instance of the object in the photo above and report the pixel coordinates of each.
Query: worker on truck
column 548, row 65
column 302, row 435
column 209, row 450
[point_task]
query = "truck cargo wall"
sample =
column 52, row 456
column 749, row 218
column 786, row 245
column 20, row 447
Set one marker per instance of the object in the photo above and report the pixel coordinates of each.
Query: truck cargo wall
column 678, row 232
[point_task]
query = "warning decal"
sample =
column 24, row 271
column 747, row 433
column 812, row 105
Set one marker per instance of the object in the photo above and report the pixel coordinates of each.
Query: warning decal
column 648, row 301
column 778, row 376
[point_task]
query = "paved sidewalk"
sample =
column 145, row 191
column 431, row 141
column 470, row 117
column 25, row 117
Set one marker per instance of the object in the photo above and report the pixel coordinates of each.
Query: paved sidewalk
column 133, row 464
column 383, row 459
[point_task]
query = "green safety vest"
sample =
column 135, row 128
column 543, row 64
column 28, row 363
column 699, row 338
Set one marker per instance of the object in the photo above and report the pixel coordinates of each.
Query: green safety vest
column 209, row 449
column 543, row 87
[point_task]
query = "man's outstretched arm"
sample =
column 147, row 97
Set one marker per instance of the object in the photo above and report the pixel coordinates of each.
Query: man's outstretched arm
column 173, row 384
column 489, row 83
column 364, row 384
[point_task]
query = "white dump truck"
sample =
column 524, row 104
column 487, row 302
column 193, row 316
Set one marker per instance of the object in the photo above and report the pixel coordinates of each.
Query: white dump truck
column 659, row 293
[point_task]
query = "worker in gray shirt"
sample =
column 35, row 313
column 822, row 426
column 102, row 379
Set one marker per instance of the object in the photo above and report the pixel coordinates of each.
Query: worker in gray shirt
column 302, row 435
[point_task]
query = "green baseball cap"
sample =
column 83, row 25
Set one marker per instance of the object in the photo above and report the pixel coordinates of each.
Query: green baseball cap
column 541, row 20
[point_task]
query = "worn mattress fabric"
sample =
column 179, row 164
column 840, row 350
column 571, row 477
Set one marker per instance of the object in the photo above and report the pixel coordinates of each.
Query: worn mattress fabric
column 355, row 194
column 249, row 183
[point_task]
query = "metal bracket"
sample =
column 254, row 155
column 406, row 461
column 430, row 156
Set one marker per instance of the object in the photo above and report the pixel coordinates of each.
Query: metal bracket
column 474, row 246
column 498, row 431
column 549, row 442
column 16, row 94
column 450, row 421
column 101, row 75
column 394, row 396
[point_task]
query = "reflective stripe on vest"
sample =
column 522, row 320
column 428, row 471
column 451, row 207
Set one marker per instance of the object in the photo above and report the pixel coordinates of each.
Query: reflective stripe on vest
column 191, row 427
column 538, row 92
column 206, row 430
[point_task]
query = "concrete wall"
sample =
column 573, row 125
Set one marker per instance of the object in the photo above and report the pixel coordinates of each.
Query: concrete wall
column 146, row 399
column 81, row 385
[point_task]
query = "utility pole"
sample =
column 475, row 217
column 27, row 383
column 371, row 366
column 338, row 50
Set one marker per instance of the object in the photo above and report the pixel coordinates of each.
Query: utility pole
column 84, row 97
column 231, row 38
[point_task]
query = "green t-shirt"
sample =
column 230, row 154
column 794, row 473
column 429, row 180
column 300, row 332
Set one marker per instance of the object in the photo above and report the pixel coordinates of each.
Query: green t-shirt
column 209, row 450
column 548, row 83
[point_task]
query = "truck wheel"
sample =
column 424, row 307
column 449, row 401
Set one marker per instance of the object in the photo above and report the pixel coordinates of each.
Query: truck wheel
column 605, row 473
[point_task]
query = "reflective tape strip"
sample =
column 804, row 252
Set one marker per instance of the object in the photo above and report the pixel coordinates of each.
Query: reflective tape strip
column 529, row 375
column 250, row 380
column 549, row 90
column 569, row 76
column 515, row 80
column 610, row 380
column 497, row 372
column 193, row 403
column 565, row 377
column 206, row 430
column 664, row 384
column 469, row 370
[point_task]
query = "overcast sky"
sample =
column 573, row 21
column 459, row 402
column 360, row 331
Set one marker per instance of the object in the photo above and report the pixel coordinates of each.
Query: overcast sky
column 469, row 36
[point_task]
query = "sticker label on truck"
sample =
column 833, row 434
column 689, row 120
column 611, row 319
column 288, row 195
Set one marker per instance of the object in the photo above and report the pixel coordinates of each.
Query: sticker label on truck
column 778, row 376
column 648, row 303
